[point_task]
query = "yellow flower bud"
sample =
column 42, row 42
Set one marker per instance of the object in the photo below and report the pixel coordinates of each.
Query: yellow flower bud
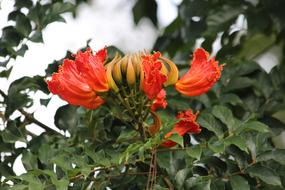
column 131, row 75
column 117, row 74
column 136, row 59
column 111, row 82
column 172, row 75
column 124, row 63
column 164, row 70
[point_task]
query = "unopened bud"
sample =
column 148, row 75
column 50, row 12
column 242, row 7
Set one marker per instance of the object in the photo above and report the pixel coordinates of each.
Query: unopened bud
column 124, row 64
column 111, row 82
column 117, row 74
column 172, row 75
column 136, row 59
column 131, row 75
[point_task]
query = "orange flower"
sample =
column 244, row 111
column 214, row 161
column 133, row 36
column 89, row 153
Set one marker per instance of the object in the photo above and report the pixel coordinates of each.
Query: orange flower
column 153, row 77
column 202, row 75
column 160, row 101
column 92, row 69
column 78, row 81
column 187, row 124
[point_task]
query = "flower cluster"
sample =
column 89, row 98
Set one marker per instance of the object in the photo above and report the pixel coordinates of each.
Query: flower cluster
column 135, row 83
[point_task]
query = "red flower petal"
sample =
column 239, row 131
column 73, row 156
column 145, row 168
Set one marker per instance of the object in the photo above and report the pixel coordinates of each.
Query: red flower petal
column 74, row 85
column 92, row 69
column 153, row 78
column 160, row 101
column 168, row 144
column 202, row 75
column 187, row 124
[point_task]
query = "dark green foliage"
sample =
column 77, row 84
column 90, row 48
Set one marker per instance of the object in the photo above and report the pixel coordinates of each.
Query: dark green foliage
column 240, row 116
column 29, row 26
column 145, row 9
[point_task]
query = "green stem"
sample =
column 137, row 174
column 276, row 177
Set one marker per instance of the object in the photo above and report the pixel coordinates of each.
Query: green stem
column 126, row 105
column 141, row 131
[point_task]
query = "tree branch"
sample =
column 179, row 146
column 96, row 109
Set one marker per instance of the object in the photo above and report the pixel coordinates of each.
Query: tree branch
column 3, row 94
column 92, row 171
column 168, row 183
column 31, row 118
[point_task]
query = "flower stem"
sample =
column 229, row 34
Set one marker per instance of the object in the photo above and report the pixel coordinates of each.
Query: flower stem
column 141, row 131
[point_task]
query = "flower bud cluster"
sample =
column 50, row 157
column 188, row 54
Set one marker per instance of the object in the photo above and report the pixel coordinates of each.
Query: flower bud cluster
column 134, row 83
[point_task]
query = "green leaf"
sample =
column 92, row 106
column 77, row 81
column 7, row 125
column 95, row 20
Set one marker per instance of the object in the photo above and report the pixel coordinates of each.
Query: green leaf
column 45, row 101
column 278, row 155
column 44, row 15
column 253, row 126
column 112, row 50
column 37, row 37
column 145, row 9
column 29, row 161
column 163, row 159
column 233, row 99
column 226, row 116
column 99, row 157
column 239, row 183
column 198, row 183
column 13, row 15
column 6, row 73
column 60, row 184
column 216, row 145
column 251, row 145
column 59, row 8
column 217, row 185
column 65, row 117
column 17, row 93
column 11, row 36
column 3, row 63
column 216, row 164
column 238, row 141
column 26, row 3
column 21, row 52
column 190, row 9
column 19, row 187
column 126, row 135
column 265, row 174
column 221, row 17
column 13, row 132
column 129, row 152
column 45, row 152
column 23, row 25
column 100, row 185
column 209, row 122
column 158, row 187
column 238, row 83
column 33, row 181
column 175, row 137
column 255, row 45
column 179, row 104
column 63, row 161
column 181, row 176
column 194, row 151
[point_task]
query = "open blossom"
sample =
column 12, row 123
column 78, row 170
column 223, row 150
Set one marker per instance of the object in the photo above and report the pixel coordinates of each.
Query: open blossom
column 187, row 124
column 78, row 81
column 159, row 101
column 153, row 77
column 91, row 67
column 202, row 75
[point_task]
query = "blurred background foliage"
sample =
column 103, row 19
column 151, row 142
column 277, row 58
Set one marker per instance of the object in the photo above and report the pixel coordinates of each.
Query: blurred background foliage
column 242, row 117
